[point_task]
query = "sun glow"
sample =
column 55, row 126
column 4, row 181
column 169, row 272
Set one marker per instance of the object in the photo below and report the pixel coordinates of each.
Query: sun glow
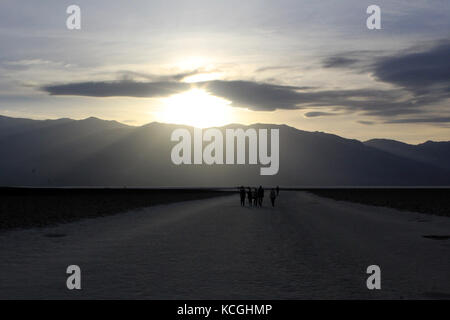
column 196, row 108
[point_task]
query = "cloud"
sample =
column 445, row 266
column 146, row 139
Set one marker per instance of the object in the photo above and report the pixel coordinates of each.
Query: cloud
column 356, row 60
column 271, row 68
column 117, row 89
column 421, row 78
column 421, row 120
column 338, row 62
column 420, row 71
column 256, row 96
column 367, row 123
column 314, row 114
column 31, row 63
column 417, row 71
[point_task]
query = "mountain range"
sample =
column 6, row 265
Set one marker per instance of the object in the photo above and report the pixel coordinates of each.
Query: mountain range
column 95, row 152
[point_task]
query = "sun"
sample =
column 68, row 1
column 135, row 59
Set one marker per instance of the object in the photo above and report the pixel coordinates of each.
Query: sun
column 197, row 108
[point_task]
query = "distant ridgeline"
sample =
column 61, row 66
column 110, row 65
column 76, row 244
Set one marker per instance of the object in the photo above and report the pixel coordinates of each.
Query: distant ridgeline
column 94, row 152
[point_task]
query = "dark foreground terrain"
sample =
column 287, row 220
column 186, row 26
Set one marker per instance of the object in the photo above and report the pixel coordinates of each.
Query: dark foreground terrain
column 424, row 200
column 38, row 207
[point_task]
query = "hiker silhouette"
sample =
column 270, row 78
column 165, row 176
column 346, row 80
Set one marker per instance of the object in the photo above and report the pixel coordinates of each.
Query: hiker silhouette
column 249, row 196
column 242, row 195
column 260, row 195
column 273, row 196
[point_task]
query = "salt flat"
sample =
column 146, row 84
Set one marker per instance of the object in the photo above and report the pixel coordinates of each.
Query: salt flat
column 306, row 248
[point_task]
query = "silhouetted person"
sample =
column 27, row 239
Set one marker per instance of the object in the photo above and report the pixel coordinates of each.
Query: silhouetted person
column 255, row 197
column 278, row 191
column 249, row 196
column 272, row 197
column 242, row 195
column 260, row 195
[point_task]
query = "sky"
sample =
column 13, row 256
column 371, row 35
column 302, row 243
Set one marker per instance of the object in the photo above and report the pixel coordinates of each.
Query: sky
column 313, row 65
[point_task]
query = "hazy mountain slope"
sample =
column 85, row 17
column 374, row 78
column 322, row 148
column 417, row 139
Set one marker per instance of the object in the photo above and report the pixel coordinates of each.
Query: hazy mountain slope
column 38, row 153
column 324, row 159
column 435, row 153
column 95, row 152
column 10, row 126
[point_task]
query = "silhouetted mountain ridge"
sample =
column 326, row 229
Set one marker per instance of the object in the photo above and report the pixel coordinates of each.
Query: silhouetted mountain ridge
column 95, row 152
column 430, row 152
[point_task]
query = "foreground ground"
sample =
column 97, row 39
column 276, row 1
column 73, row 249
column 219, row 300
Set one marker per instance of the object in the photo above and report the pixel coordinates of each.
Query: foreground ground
column 307, row 247
column 424, row 200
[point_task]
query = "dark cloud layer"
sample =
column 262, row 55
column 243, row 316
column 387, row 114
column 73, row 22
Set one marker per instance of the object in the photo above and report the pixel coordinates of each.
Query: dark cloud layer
column 314, row 114
column 421, row 120
column 424, row 74
column 417, row 71
column 257, row 96
column 367, row 123
column 253, row 95
column 247, row 94
column 117, row 89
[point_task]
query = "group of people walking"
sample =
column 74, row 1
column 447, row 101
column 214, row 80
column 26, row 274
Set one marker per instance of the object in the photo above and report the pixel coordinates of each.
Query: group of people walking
column 255, row 196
